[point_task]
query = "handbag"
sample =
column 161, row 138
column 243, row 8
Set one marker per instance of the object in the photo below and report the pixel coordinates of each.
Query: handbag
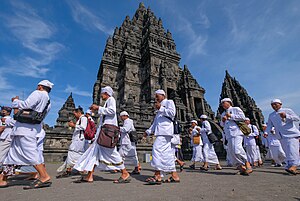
column 196, row 140
column 133, row 136
column 243, row 127
column 30, row 116
column 109, row 136
column 212, row 138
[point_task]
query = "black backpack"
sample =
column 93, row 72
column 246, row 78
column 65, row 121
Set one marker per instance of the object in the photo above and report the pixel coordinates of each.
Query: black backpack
column 176, row 124
column 133, row 136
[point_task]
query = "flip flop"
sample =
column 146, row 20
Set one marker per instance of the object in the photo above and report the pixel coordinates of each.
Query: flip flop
column 4, row 186
column 204, row 168
column 122, row 181
column 181, row 168
column 31, row 179
column 82, row 180
column 171, row 180
column 246, row 172
column 63, row 175
column 150, row 178
column 135, row 172
column 154, row 181
column 291, row 171
column 38, row 184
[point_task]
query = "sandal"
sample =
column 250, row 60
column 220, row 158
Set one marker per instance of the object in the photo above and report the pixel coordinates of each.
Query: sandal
column 192, row 167
column 135, row 172
column 82, row 180
column 246, row 172
column 4, row 186
column 153, row 181
column 122, row 181
column 63, row 175
column 171, row 180
column 150, row 178
column 291, row 171
column 204, row 168
column 38, row 184
column 181, row 167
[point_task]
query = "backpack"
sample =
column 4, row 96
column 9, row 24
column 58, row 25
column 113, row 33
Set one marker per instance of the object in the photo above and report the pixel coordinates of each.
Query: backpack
column 90, row 131
column 177, row 127
column 133, row 136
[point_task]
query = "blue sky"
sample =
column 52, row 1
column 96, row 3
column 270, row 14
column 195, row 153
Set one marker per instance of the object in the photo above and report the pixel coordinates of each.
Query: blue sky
column 61, row 40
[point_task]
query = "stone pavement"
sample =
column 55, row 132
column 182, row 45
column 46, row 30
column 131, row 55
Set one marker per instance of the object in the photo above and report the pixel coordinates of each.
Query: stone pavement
column 266, row 183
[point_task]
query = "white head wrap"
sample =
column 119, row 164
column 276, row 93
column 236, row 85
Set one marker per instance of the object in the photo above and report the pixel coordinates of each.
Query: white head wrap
column 276, row 101
column 89, row 112
column 194, row 121
column 124, row 113
column 203, row 116
column 247, row 119
column 46, row 83
column 160, row 91
column 107, row 90
column 226, row 100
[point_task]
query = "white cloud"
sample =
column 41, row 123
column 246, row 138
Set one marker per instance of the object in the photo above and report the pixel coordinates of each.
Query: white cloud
column 196, row 41
column 87, row 18
column 75, row 90
column 34, row 34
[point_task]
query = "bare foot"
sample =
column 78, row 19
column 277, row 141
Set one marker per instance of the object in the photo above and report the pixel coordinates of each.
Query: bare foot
column 3, row 183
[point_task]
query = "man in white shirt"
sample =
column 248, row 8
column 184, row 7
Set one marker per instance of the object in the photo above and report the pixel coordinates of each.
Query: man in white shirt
column 250, row 144
column 127, row 147
column 283, row 120
column 78, row 145
column 24, row 150
column 234, row 135
column 196, row 144
column 163, row 158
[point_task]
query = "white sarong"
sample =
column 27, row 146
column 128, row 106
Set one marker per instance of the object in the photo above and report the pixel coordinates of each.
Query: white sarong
column 236, row 151
column 163, row 158
column 104, row 158
column 251, row 152
column 277, row 154
column 209, row 154
column 291, row 149
column 197, row 154
column 23, row 151
column 129, row 154
column 4, row 148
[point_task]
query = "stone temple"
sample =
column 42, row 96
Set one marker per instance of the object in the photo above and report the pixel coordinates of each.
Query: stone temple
column 140, row 58
column 233, row 89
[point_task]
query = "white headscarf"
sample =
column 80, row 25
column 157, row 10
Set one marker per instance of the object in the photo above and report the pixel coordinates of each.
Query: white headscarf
column 46, row 83
column 107, row 90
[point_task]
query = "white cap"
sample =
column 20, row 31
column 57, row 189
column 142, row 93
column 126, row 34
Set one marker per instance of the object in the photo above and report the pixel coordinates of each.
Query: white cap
column 124, row 113
column 46, row 83
column 264, row 125
column 247, row 119
column 107, row 90
column 203, row 116
column 89, row 112
column 194, row 121
column 160, row 91
column 226, row 100
column 276, row 101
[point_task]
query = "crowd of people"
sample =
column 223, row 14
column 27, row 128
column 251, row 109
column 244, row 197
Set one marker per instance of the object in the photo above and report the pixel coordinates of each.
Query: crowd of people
column 21, row 140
